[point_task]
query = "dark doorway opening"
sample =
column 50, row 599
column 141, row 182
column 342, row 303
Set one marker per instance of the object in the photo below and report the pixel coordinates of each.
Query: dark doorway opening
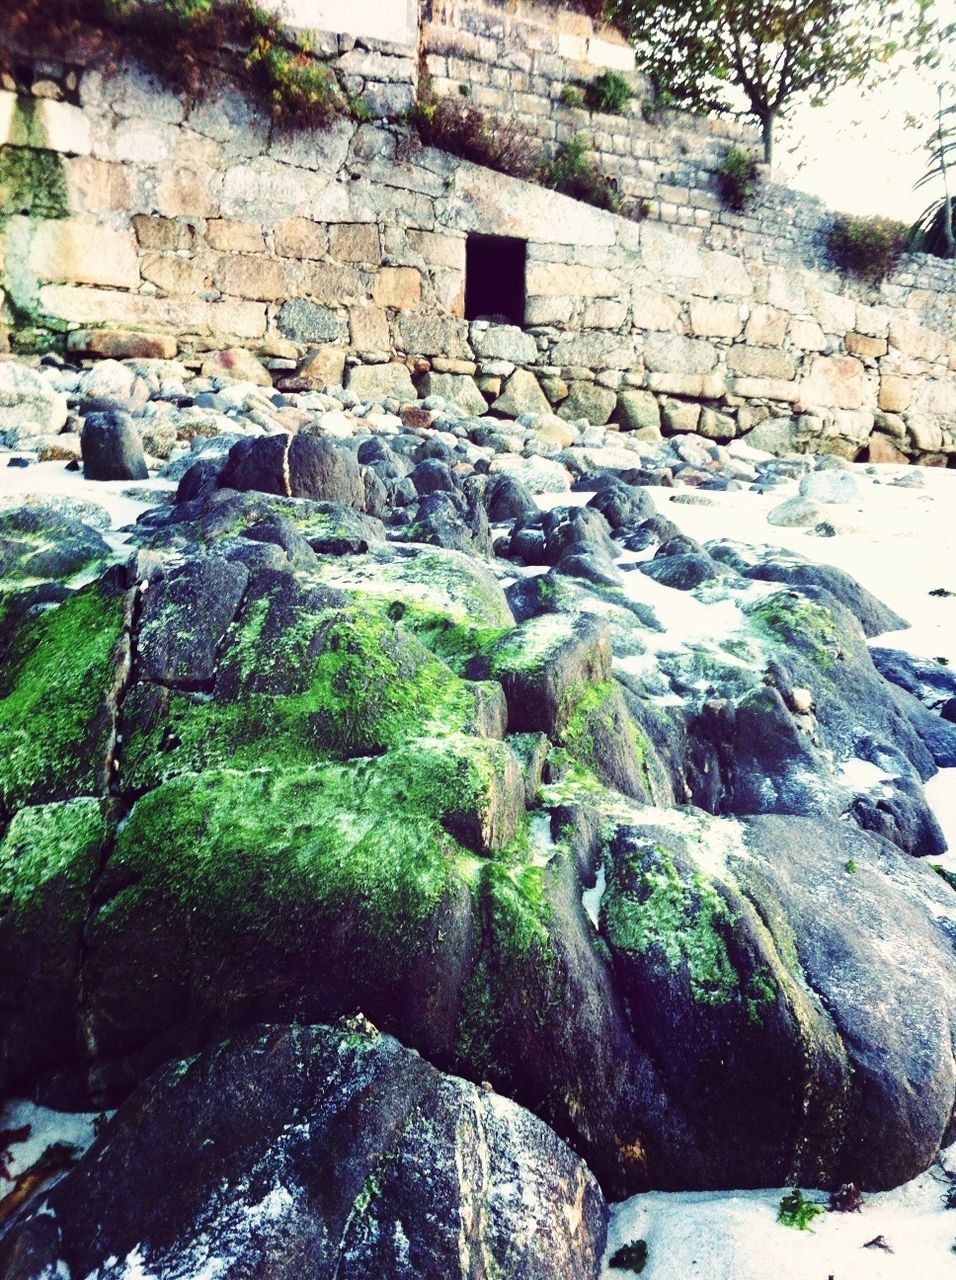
column 494, row 279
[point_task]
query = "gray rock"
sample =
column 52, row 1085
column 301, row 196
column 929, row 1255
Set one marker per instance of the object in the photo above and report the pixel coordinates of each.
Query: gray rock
column 638, row 410
column 587, row 400
column 107, row 380
column 112, row 449
column 796, row 513
column 348, row 1157
column 29, row 404
column 521, row 394
column 457, row 387
column 829, row 486
column 378, row 382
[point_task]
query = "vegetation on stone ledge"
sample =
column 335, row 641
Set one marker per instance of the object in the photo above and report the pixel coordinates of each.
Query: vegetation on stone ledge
column 867, row 248
column 465, row 131
column 192, row 43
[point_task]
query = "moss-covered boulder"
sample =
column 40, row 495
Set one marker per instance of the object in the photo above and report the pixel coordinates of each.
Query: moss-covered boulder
column 49, row 860
column 297, row 674
column 753, row 961
column 39, row 544
column 60, row 673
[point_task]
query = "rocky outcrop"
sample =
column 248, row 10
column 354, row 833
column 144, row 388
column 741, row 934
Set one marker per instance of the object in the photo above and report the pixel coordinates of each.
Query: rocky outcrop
column 333, row 1153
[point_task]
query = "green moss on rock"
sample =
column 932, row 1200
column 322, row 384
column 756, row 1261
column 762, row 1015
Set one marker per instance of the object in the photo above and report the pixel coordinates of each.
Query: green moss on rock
column 800, row 624
column 47, row 845
column 281, row 856
column 55, row 723
column 368, row 689
column 679, row 921
column 32, row 183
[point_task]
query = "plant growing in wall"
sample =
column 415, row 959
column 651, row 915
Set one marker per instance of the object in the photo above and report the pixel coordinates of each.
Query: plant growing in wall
column 719, row 55
column 737, row 178
column 609, row 92
column 867, row 248
column 570, row 171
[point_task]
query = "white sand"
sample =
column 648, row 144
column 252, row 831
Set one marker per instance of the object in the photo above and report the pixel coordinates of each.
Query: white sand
column 736, row 1236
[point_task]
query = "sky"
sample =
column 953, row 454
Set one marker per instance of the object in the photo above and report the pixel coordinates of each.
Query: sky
column 857, row 153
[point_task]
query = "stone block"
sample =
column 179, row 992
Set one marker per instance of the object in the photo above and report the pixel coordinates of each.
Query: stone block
column 723, row 275
column 185, row 192
column 637, row 410
column 860, row 344
column 381, row 381
column 300, row 238
column 833, row 312
column 807, row 335
column 122, row 344
column 44, row 123
column 237, row 363
column 153, row 232
column 503, row 342
column 330, row 283
column 896, row 393
column 595, row 351
column 548, row 310
column 368, row 327
column 179, row 315
column 432, row 335
column 761, row 362
column 652, row 310
column 837, row 382
column 74, row 252
column 767, row 326
column 305, row 321
column 326, row 366
column 521, row 394
column 252, row 276
column 604, row 313
column 590, row 401
column 710, row 386
column 457, row 387
column 916, row 340
column 550, row 279
column 924, row 432
column 672, row 353
column 439, row 250
column 716, row 426
column 96, row 186
column 669, row 254
column 232, row 235
column 493, row 204
column 610, row 55
column 710, row 319
column 765, row 389
column 679, row 415
column 884, row 450
column 173, row 274
column 398, row 287
column 355, row 242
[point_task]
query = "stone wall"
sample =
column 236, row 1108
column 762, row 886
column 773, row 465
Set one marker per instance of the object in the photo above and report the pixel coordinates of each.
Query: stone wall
column 341, row 255
column 515, row 59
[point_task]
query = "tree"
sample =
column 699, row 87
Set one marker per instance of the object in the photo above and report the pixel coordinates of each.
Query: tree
column 935, row 231
column 713, row 55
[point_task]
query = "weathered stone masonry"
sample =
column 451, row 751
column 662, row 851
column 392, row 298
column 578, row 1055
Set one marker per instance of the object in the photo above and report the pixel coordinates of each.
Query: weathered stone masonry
column 201, row 223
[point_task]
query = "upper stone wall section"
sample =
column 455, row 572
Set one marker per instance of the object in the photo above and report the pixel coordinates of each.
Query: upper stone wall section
column 394, row 21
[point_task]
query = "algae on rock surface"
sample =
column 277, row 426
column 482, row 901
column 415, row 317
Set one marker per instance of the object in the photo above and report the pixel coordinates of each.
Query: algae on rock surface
column 55, row 720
